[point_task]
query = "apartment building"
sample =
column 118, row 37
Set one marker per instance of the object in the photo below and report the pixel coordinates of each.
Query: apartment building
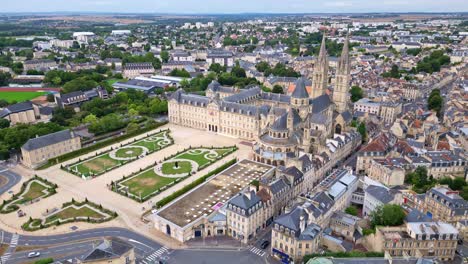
column 443, row 204
column 132, row 70
column 389, row 111
column 366, row 105
column 39, row 150
column 40, row 65
column 246, row 215
column 293, row 235
column 418, row 239
column 389, row 171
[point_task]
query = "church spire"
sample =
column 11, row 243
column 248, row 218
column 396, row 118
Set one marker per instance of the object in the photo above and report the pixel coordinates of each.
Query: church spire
column 320, row 74
column 340, row 92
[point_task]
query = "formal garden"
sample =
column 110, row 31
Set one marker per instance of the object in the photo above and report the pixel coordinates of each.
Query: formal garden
column 31, row 191
column 150, row 181
column 114, row 158
column 70, row 212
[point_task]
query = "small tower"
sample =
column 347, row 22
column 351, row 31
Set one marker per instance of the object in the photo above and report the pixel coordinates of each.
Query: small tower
column 340, row 93
column 320, row 74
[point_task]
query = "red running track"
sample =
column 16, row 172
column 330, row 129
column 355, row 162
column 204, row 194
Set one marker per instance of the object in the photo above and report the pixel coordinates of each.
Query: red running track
column 28, row 89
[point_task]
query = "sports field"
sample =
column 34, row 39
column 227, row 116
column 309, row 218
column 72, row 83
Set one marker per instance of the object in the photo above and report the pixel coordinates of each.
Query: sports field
column 19, row 96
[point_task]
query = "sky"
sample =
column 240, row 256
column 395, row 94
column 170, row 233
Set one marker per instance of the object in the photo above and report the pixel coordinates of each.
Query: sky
column 234, row 6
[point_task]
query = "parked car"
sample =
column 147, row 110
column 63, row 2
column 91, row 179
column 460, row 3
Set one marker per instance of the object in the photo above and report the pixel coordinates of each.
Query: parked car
column 34, row 254
column 265, row 244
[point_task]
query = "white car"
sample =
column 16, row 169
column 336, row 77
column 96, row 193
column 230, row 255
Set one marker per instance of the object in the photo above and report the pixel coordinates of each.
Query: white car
column 33, row 254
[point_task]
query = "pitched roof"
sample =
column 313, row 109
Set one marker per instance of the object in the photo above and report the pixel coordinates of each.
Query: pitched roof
column 109, row 249
column 47, row 140
column 300, row 91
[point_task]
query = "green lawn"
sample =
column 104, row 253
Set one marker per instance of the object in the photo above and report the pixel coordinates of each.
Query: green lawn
column 71, row 212
column 112, row 81
column 200, row 158
column 184, row 167
column 35, row 191
column 129, row 152
column 149, row 181
column 19, row 96
column 96, row 165
column 146, row 183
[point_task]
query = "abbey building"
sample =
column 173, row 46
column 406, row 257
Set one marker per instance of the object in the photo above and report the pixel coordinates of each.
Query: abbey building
column 283, row 127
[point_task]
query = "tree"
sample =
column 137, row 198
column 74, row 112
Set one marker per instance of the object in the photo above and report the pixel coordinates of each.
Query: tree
column 132, row 112
column 262, row 66
column 132, row 127
column 277, row 89
column 164, row 56
column 394, row 72
column 356, row 93
column 5, row 78
column 90, row 119
column 180, row 73
column 435, row 102
column 4, row 123
column 352, row 210
column 50, row 98
column 17, row 67
column 388, row 215
column 362, row 130
column 216, row 67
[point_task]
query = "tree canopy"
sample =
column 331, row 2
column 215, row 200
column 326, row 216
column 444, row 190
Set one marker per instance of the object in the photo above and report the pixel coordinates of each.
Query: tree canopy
column 388, row 215
column 356, row 93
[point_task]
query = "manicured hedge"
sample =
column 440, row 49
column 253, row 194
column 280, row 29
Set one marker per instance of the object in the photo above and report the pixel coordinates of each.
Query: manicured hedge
column 193, row 184
column 15, row 207
column 44, row 261
column 97, row 146
column 27, row 226
column 351, row 254
column 122, row 162
column 149, row 196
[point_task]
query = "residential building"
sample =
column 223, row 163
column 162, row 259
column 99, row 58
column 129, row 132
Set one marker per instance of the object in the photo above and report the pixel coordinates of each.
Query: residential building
column 132, row 70
column 37, row 151
column 417, row 239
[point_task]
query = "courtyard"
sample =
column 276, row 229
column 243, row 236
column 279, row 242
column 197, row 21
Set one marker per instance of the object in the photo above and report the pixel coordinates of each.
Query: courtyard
column 122, row 155
column 209, row 197
column 170, row 171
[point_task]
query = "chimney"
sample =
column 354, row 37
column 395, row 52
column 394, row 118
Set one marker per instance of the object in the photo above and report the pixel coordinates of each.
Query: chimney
column 248, row 194
column 302, row 222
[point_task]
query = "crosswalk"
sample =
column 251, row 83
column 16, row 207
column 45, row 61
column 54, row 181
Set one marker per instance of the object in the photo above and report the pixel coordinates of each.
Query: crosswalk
column 257, row 251
column 13, row 244
column 5, row 257
column 154, row 257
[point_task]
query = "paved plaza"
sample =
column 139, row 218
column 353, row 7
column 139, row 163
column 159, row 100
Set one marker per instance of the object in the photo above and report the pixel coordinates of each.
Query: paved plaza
column 97, row 189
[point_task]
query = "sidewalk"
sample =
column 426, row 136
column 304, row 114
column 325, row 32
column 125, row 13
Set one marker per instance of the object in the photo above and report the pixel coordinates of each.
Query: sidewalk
column 216, row 242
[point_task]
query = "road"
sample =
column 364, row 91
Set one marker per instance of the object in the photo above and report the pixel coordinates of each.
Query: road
column 72, row 244
column 11, row 177
column 76, row 244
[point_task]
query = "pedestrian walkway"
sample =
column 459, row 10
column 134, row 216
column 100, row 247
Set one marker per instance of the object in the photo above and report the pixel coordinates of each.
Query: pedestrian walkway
column 256, row 251
column 11, row 249
column 157, row 254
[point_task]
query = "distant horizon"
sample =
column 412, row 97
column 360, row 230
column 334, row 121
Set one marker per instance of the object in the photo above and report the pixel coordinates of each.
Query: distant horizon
column 204, row 7
column 232, row 13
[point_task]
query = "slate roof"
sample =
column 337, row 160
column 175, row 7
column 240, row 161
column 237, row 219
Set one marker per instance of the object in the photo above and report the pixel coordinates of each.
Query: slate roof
column 109, row 249
column 242, row 201
column 380, row 193
column 47, row 140
column 16, row 108
column 300, row 91
column 320, row 103
column 417, row 216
